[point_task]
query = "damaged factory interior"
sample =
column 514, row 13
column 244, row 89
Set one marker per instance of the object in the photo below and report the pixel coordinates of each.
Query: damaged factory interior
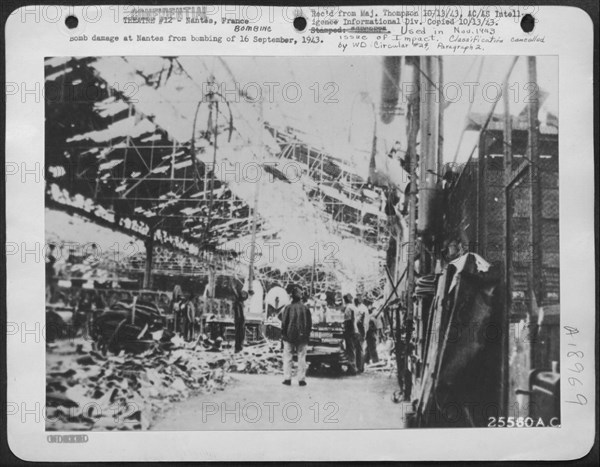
column 189, row 201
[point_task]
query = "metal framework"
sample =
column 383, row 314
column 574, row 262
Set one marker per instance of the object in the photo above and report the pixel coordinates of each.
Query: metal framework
column 102, row 147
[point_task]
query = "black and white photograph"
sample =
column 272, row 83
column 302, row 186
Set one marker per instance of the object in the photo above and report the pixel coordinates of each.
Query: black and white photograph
column 300, row 233
column 357, row 242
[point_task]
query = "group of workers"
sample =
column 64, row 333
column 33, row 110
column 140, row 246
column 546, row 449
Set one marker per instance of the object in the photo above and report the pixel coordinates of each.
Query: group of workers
column 361, row 333
column 362, row 328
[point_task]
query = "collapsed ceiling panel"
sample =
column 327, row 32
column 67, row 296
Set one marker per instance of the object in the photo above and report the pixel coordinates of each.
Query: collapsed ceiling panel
column 144, row 147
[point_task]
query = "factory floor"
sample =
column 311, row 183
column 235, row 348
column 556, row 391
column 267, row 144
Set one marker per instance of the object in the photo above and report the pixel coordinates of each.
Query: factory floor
column 262, row 402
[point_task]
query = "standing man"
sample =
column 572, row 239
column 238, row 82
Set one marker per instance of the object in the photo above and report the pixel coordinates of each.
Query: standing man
column 381, row 326
column 350, row 332
column 180, row 315
column 199, row 313
column 372, row 331
column 239, row 320
column 189, row 318
column 50, row 273
column 361, row 316
column 296, row 324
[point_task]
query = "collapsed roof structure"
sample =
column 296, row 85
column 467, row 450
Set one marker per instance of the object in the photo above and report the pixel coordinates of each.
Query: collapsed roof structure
column 152, row 148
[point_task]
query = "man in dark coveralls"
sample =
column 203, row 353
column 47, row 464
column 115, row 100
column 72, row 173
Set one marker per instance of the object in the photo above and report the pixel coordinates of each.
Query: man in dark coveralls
column 239, row 320
column 296, row 324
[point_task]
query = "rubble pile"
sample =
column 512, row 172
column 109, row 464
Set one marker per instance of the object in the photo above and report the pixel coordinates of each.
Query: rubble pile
column 88, row 391
column 387, row 360
column 388, row 367
column 262, row 358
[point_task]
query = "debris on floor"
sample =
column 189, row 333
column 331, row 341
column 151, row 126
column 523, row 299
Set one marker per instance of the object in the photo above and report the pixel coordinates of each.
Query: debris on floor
column 262, row 358
column 86, row 390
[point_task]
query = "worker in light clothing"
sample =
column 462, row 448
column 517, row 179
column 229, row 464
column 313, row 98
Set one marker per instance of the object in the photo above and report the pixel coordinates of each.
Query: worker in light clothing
column 350, row 333
column 189, row 318
column 361, row 316
column 296, row 324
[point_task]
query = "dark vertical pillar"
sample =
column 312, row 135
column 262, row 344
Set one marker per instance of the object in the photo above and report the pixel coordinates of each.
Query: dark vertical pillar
column 429, row 99
column 439, row 227
column 535, row 185
column 505, row 311
column 508, row 153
